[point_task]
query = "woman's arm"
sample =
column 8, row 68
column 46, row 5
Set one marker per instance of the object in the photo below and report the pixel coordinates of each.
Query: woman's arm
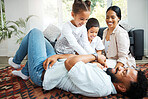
column 123, row 44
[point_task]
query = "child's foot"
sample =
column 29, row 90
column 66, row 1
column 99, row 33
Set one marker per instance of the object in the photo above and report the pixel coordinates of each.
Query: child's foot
column 20, row 74
column 10, row 61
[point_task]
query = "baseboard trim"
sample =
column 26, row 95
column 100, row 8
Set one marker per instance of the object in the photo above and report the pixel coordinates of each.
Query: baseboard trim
column 146, row 53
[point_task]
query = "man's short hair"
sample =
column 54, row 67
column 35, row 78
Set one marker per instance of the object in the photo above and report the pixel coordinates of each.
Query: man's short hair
column 137, row 89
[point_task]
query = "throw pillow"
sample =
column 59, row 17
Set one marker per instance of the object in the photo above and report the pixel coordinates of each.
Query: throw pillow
column 52, row 32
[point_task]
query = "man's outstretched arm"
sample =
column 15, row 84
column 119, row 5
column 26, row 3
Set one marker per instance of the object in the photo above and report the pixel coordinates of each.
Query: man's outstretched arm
column 70, row 62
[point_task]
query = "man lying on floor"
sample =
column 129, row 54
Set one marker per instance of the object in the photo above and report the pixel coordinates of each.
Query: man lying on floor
column 76, row 74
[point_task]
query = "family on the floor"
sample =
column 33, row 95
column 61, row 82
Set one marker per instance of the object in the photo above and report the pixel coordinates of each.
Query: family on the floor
column 81, row 62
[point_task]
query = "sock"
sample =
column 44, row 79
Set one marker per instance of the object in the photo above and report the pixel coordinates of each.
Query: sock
column 20, row 74
column 10, row 61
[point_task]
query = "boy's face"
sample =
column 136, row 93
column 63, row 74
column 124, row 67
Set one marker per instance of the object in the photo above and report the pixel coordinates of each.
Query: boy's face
column 92, row 33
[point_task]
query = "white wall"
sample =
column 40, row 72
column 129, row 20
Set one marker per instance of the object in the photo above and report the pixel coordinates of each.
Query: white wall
column 12, row 13
column 45, row 11
column 138, row 18
column 15, row 9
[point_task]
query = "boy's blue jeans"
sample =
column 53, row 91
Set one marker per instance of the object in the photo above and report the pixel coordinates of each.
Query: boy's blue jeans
column 38, row 49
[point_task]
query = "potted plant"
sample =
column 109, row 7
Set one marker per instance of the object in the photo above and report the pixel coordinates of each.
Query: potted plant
column 14, row 27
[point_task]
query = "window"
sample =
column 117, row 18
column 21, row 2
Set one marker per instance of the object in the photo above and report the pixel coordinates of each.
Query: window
column 98, row 9
column 99, row 12
column 50, row 12
column 123, row 6
column 67, row 8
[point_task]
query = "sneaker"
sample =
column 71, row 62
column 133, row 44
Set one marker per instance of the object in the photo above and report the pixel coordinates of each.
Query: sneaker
column 11, row 63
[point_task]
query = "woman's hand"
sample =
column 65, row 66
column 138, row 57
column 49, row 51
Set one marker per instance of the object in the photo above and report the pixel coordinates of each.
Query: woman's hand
column 119, row 64
column 52, row 60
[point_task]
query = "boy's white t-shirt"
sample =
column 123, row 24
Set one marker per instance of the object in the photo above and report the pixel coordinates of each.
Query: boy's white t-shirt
column 69, row 41
column 97, row 43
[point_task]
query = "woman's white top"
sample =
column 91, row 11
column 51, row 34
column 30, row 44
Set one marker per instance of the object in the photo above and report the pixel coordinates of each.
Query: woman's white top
column 69, row 41
column 106, row 45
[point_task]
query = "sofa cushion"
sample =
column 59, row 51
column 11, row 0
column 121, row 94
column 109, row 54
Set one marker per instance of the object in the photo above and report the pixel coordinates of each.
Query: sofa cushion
column 52, row 32
column 126, row 26
column 100, row 33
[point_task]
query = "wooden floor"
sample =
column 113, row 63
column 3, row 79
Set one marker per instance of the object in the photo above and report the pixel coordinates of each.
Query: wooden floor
column 4, row 61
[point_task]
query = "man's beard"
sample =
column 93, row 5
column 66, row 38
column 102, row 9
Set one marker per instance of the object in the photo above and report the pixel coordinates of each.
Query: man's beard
column 114, row 79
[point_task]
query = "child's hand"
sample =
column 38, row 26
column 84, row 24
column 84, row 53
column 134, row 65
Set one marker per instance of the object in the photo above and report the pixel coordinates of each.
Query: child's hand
column 102, row 60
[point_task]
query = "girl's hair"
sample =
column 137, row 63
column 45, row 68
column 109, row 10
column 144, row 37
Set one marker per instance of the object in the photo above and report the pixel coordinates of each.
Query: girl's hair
column 92, row 22
column 116, row 9
column 80, row 5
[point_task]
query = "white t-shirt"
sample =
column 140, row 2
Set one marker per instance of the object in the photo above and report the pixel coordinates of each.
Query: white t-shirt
column 97, row 43
column 68, row 43
column 85, row 79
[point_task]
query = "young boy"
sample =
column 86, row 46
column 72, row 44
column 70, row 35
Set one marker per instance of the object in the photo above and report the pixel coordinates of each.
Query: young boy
column 92, row 26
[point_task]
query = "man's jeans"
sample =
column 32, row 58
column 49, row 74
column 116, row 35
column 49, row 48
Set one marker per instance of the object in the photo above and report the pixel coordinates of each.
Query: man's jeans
column 38, row 49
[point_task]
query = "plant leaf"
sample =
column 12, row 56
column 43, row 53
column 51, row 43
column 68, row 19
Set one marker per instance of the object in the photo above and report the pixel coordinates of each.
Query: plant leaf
column 21, row 23
column 21, row 32
column 29, row 18
column 14, row 22
column 13, row 27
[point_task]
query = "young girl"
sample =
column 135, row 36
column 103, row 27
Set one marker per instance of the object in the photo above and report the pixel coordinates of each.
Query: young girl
column 74, row 31
column 92, row 26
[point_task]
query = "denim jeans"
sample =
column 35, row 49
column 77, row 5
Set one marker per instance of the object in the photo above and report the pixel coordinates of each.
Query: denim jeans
column 38, row 49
